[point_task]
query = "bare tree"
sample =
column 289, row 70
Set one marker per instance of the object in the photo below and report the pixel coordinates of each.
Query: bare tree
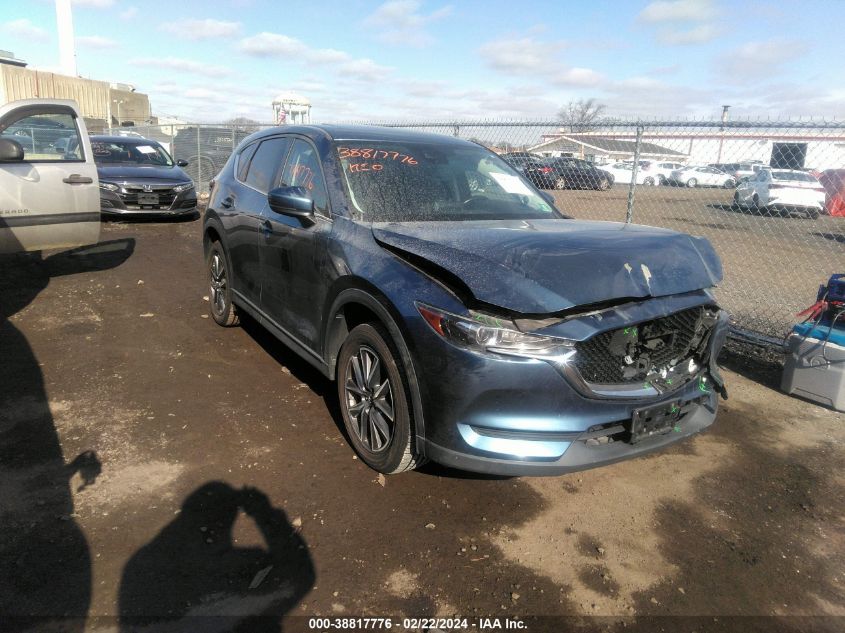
column 581, row 115
column 243, row 124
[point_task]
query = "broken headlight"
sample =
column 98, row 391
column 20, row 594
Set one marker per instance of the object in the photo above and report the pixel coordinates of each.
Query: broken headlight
column 488, row 334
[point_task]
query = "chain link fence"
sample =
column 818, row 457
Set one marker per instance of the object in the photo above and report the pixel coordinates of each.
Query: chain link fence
column 769, row 195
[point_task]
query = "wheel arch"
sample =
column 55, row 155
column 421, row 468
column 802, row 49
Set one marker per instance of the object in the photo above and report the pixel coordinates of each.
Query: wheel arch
column 355, row 301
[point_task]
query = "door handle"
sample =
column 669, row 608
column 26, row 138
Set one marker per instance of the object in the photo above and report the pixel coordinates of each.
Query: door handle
column 227, row 202
column 76, row 179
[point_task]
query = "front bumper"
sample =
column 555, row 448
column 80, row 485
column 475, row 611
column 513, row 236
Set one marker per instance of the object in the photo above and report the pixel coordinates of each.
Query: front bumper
column 115, row 205
column 514, row 416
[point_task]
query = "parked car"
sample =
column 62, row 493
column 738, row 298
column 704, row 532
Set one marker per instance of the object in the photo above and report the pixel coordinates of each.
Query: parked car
column 782, row 190
column 833, row 181
column 659, row 170
column 701, row 177
column 740, row 171
column 623, row 173
column 47, row 199
column 519, row 160
column 206, row 149
column 480, row 329
column 567, row 173
column 139, row 178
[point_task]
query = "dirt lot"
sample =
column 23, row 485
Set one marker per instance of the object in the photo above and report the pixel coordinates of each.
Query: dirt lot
column 130, row 423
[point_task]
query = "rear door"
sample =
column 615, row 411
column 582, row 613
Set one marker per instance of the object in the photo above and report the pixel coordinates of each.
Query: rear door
column 50, row 197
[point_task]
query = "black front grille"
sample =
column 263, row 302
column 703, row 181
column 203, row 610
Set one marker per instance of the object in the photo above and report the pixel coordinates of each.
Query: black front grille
column 634, row 353
column 166, row 196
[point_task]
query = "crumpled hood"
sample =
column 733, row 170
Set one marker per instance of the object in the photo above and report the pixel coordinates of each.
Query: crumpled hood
column 119, row 173
column 546, row 266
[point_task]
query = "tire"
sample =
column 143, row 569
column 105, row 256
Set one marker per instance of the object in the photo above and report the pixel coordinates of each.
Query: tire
column 812, row 214
column 730, row 183
column 755, row 202
column 661, row 180
column 385, row 445
column 220, row 304
column 560, row 183
column 603, row 184
column 201, row 170
column 692, row 182
column 649, row 182
column 736, row 203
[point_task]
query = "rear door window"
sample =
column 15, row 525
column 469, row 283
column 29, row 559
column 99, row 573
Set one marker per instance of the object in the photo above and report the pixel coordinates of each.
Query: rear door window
column 243, row 160
column 266, row 163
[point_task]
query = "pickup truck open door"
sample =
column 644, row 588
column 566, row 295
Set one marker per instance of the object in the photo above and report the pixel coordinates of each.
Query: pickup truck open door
column 49, row 192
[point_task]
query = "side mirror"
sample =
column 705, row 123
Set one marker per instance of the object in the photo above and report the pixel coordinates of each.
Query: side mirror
column 292, row 201
column 10, row 151
column 181, row 163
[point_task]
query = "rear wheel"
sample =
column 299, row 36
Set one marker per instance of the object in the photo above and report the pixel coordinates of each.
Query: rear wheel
column 730, row 183
column 220, row 288
column 649, row 181
column 373, row 394
column 813, row 214
column 560, row 182
column 604, row 184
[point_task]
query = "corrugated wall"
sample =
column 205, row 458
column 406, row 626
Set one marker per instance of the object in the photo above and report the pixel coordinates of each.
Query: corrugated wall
column 92, row 96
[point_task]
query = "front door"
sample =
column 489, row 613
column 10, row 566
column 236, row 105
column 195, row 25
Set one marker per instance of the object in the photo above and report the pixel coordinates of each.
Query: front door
column 293, row 287
column 49, row 195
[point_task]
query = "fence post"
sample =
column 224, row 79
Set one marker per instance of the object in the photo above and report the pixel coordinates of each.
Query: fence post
column 199, row 162
column 629, row 215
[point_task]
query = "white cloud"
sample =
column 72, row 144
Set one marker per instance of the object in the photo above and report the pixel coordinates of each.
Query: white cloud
column 201, row 29
column 95, row 42
column 24, row 29
column 400, row 22
column 584, row 77
column 180, row 65
column 757, row 60
column 129, row 13
column 294, row 50
column 679, row 11
column 684, row 22
column 272, row 45
column 94, row 4
column 697, row 35
column 520, row 55
column 364, row 70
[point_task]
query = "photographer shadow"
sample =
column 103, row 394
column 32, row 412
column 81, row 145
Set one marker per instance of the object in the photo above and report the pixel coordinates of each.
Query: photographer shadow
column 192, row 576
column 45, row 563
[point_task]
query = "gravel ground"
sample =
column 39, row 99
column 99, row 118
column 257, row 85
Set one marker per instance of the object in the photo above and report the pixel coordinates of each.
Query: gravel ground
column 152, row 463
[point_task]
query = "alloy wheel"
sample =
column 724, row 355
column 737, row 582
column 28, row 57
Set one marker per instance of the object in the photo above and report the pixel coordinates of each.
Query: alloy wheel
column 217, row 273
column 369, row 399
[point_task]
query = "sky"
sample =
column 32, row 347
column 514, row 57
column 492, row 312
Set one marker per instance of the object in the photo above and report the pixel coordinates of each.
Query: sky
column 404, row 60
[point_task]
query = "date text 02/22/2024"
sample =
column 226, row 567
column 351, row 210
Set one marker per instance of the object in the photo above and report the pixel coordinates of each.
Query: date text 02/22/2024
column 415, row 624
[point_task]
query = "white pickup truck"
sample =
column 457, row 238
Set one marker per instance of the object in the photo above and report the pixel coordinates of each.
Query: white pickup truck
column 49, row 196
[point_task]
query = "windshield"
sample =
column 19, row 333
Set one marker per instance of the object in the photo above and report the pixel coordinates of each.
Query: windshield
column 130, row 152
column 409, row 182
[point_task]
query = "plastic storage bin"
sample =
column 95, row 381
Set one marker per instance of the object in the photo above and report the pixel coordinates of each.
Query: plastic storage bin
column 815, row 370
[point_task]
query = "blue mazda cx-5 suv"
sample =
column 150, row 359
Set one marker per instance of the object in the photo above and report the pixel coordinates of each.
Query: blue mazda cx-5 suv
column 463, row 317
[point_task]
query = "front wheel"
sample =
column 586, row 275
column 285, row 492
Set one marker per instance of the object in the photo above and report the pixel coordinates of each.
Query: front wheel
column 604, row 184
column 649, row 181
column 692, row 182
column 373, row 394
column 560, row 183
column 220, row 287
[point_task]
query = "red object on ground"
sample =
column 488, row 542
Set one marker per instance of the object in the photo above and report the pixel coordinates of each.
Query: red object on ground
column 833, row 181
